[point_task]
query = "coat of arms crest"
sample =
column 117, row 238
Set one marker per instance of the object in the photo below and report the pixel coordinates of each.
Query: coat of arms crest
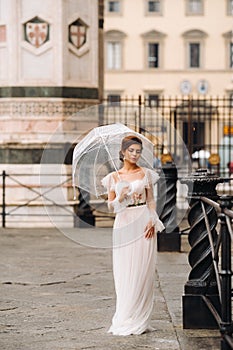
column 36, row 32
column 78, row 33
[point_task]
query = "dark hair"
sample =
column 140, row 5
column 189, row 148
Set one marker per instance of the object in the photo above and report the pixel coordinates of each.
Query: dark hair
column 127, row 142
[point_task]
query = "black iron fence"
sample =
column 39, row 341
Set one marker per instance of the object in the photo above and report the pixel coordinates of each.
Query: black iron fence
column 200, row 126
column 23, row 191
column 47, row 200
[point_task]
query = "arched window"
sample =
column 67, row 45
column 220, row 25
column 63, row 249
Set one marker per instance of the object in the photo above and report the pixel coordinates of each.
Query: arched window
column 114, row 41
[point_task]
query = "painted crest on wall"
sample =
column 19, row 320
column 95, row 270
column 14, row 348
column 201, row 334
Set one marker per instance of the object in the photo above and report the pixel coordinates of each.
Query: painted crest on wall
column 36, row 32
column 78, row 33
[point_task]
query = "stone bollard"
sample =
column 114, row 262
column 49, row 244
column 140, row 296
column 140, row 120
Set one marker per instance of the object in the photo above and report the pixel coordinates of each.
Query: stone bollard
column 202, row 280
column 169, row 239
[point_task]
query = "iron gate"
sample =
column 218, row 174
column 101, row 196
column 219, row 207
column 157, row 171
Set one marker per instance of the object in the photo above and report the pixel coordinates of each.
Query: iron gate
column 201, row 127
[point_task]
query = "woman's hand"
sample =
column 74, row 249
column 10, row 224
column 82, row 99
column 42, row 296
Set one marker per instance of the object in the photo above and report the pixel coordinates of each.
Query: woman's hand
column 149, row 230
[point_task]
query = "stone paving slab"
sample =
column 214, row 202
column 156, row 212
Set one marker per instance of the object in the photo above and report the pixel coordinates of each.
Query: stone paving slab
column 58, row 295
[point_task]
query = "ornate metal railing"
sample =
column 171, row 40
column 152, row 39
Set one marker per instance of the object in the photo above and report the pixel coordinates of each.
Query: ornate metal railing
column 207, row 299
column 224, row 272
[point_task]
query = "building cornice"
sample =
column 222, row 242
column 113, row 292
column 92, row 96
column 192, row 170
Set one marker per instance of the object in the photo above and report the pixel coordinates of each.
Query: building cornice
column 49, row 91
column 169, row 71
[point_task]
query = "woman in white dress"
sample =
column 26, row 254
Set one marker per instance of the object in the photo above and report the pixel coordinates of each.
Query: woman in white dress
column 131, row 197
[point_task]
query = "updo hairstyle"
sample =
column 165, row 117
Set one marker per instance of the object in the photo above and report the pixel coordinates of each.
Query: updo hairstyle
column 127, row 142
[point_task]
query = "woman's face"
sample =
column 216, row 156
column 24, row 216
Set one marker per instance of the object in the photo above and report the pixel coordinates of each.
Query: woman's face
column 133, row 153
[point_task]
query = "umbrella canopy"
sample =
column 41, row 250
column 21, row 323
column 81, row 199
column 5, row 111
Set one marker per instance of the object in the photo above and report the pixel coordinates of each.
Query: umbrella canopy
column 97, row 154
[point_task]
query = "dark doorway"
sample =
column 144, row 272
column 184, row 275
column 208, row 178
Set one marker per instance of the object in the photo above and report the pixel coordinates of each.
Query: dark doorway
column 195, row 137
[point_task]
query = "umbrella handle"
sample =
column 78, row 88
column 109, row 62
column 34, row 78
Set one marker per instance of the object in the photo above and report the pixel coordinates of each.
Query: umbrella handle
column 110, row 157
column 74, row 193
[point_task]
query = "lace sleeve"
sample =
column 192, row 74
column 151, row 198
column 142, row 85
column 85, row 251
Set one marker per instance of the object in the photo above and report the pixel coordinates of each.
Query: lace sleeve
column 114, row 205
column 151, row 178
column 108, row 182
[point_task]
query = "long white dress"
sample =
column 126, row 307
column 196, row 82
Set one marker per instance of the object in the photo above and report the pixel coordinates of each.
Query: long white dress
column 134, row 259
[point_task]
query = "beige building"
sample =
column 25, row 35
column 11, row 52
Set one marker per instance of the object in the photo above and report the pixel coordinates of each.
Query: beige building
column 168, row 47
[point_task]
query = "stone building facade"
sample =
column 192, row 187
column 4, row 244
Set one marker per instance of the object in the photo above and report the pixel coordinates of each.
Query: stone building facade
column 163, row 47
column 50, row 69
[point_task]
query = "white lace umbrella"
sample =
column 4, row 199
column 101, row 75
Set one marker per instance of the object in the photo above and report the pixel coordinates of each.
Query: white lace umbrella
column 97, row 154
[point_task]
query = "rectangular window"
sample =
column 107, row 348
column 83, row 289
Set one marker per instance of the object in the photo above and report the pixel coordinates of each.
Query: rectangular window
column 113, row 55
column 195, row 7
column 230, row 7
column 114, row 6
column 114, row 99
column 2, row 33
column 153, row 55
column 154, row 6
column 194, row 55
column 231, row 55
column 153, row 100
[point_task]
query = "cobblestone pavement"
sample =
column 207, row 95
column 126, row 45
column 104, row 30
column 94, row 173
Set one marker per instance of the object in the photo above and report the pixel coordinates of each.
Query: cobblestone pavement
column 59, row 295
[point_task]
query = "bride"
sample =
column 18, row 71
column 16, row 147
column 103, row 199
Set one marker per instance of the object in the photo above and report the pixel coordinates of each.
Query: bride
column 131, row 197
